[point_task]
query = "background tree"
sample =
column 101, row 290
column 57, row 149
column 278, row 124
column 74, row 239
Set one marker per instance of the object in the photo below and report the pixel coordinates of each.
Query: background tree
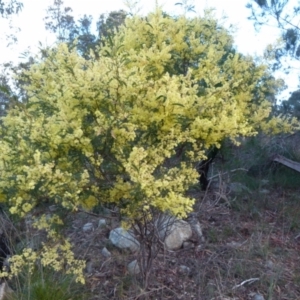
column 285, row 15
column 107, row 25
column 60, row 21
column 8, row 8
column 13, row 79
column 292, row 105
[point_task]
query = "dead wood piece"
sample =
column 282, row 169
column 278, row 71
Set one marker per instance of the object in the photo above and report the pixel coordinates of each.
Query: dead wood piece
column 287, row 162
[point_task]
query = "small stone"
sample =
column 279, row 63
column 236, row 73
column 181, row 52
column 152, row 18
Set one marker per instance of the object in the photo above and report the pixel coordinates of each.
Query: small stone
column 238, row 188
column 87, row 227
column 199, row 248
column 105, row 252
column 53, row 208
column 264, row 191
column 107, row 211
column 89, row 267
column 101, row 223
column 264, row 182
column 258, row 297
column 133, row 267
column 184, row 270
column 234, row 244
column 29, row 220
column 269, row 264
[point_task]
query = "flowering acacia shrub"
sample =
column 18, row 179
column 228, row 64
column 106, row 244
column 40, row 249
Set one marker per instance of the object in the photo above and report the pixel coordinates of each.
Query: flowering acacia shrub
column 100, row 130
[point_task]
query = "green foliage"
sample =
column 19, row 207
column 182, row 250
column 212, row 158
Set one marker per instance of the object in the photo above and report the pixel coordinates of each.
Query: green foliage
column 44, row 284
column 256, row 156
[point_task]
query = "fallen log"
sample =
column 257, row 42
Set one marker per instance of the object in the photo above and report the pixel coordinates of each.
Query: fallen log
column 287, row 162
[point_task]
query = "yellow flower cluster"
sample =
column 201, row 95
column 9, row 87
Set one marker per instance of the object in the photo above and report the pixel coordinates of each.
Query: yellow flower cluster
column 59, row 257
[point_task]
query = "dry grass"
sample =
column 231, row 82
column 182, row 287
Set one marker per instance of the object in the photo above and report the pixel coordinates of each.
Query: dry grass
column 246, row 237
column 252, row 237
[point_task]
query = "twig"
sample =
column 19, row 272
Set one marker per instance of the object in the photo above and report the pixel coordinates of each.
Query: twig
column 297, row 236
column 107, row 260
column 231, row 171
column 154, row 290
column 251, row 280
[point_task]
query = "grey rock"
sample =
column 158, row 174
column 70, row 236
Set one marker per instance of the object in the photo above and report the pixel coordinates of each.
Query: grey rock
column 199, row 248
column 264, row 181
column 133, row 268
column 105, row 252
column 264, row 191
column 53, row 208
column 89, row 267
column 270, row 265
column 101, row 223
column 123, row 239
column 174, row 232
column 87, row 227
column 184, row 270
column 258, row 297
column 238, row 188
column 196, row 227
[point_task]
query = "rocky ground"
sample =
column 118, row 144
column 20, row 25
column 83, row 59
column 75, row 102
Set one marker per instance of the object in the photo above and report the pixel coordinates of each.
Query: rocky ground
column 250, row 251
